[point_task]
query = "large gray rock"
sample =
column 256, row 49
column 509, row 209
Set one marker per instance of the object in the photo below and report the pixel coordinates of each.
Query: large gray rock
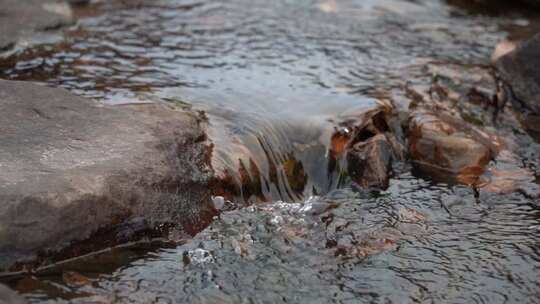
column 8, row 296
column 519, row 69
column 70, row 167
column 22, row 18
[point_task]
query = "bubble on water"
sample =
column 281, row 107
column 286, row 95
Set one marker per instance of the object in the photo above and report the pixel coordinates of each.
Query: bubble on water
column 199, row 256
column 276, row 220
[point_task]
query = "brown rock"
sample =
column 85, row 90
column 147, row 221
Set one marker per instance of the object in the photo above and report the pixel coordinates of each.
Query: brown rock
column 369, row 162
column 441, row 148
column 370, row 150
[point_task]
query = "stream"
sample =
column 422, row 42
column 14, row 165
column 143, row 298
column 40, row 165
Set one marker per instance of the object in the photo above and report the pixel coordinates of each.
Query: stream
column 276, row 79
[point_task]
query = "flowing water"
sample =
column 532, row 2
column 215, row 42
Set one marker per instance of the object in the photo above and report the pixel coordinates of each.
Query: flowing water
column 276, row 79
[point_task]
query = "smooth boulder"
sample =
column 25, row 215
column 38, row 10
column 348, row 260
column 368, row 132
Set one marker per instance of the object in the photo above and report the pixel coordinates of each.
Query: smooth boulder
column 71, row 168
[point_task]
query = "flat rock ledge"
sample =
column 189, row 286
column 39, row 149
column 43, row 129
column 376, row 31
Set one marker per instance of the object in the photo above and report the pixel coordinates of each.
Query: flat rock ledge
column 71, row 169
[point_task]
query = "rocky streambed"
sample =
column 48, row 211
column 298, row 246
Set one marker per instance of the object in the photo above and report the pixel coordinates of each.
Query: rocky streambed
column 216, row 152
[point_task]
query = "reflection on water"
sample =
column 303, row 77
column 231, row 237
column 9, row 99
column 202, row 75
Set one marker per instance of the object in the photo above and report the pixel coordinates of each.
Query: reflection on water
column 278, row 79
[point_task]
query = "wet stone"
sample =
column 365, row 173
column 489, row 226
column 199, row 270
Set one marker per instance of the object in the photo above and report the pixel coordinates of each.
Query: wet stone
column 468, row 102
column 369, row 147
column 442, row 148
column 74, row 170
column 508, row 178
column 370, row 162
column 519, row 69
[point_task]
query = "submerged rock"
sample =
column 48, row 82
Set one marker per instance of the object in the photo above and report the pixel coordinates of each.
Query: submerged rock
column 71, row 168
column 20, row 19
column 500, row 181
column 508, row 175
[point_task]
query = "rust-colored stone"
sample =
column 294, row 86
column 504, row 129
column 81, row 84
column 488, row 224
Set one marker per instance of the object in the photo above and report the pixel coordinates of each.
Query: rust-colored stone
column 442, row 148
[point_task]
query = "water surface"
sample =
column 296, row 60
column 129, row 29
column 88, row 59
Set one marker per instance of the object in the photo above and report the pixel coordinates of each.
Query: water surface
column 275, row 77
